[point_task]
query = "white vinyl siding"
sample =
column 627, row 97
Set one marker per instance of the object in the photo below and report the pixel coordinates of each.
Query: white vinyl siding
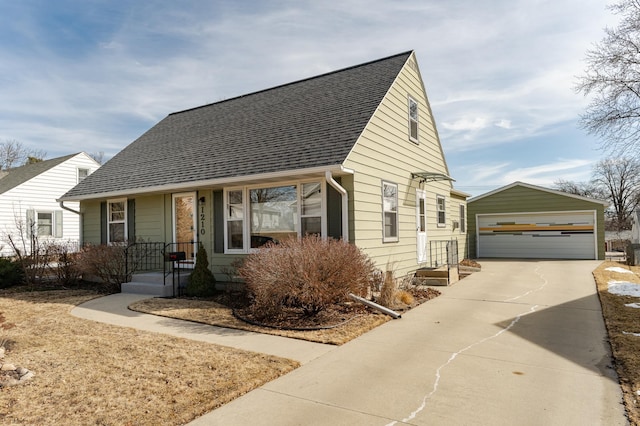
column 382, row 153
column 40, row 194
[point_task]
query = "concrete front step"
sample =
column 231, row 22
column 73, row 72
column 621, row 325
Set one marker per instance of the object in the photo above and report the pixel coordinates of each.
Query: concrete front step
column 156, row 284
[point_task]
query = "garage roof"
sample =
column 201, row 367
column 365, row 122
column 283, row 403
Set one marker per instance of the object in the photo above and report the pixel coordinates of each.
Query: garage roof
column 539, row 188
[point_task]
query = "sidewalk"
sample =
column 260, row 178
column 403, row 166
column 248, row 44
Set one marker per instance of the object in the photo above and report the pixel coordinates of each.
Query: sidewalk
column 113, row 309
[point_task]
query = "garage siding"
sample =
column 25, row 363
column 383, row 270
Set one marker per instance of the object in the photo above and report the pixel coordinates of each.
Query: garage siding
column 524, row 198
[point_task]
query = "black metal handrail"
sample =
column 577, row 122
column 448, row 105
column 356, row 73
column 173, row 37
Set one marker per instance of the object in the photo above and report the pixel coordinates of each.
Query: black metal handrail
column 144, row 256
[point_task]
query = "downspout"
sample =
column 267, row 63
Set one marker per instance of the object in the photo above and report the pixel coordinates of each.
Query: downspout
column 345, row 203
column 81, row 217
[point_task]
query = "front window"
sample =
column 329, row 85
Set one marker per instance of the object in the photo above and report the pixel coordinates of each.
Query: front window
column 390, row 211
column 413, row 120
column 260, row 215
column 440, row 202
column 235, row 220
column 117, row 218
column 311, row 214
column 274, row 214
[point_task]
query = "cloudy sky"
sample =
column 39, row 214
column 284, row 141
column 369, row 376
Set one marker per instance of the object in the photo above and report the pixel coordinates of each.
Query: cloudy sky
column 93, row 75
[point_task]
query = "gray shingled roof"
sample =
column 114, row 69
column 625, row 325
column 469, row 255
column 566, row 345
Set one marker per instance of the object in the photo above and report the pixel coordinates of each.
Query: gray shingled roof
column 309, row 123
column 19, row 175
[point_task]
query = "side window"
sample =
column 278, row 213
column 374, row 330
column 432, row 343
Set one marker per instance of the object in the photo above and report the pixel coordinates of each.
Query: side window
column 440, row 203
column 117, row 221
column 463, row 221
column 44, row 223
column 413, row 120
column 390, row 211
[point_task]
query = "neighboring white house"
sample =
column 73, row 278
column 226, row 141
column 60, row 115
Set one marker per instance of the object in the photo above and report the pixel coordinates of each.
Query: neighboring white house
column 28, row 205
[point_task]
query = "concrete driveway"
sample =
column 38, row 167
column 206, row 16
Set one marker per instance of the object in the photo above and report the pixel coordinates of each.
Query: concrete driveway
column 522, row 342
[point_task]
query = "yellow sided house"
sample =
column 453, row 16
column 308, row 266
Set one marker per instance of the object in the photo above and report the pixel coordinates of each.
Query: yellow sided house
column 352, row 154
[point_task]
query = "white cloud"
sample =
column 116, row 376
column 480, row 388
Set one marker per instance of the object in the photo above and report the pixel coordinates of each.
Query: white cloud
column 466, row 124
column 504, row 124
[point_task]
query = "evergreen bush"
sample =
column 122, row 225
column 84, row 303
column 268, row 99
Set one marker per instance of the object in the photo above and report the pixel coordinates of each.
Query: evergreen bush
column 11, row 273
column 201, row 282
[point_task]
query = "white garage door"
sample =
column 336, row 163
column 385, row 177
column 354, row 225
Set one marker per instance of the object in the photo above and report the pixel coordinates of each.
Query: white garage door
column 537, row 235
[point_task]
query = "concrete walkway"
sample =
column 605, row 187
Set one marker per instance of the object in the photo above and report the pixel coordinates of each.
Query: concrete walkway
column 113, row 309
column 522, row 342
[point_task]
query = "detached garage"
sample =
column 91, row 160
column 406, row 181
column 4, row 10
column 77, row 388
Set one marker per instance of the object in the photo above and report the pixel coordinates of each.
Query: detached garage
column 531, row 222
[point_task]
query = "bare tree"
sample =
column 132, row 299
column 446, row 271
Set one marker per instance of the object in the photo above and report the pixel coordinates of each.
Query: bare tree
column 612, row 79
column 98, row 156
column 621, row 178
column 14, row 153
column 589, row 189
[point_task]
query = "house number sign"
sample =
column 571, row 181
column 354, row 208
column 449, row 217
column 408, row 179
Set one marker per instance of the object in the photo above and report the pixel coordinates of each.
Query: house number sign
column 202, row 217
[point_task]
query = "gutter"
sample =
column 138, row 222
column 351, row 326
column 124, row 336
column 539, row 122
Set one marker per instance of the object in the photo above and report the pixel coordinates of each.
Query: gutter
column 345, row 203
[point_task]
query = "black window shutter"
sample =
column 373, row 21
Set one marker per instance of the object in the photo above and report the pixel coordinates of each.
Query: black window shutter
column 131, row 219
column 103, row 222
column 218, row 222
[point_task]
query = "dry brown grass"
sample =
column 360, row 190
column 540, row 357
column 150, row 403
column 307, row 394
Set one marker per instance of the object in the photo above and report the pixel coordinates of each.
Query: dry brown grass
column 93, row 373
column 620, row 320
column 212, row 313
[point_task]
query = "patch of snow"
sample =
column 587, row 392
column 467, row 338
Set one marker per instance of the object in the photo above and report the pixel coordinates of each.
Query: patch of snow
column 624, row 288
column 619, row 269
column 633, row 334
column 633, row 305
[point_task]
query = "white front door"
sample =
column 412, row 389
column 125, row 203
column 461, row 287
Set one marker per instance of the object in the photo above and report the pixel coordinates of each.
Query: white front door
column 421, row 225
column 184, row 227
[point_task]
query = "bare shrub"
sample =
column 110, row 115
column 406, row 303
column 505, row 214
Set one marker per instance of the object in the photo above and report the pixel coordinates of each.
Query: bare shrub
column 310, row 274
column 107, row 263
column 65, row 262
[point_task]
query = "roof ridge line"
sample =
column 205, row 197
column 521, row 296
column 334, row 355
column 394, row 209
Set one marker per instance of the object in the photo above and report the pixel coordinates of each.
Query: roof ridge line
column 293, row 82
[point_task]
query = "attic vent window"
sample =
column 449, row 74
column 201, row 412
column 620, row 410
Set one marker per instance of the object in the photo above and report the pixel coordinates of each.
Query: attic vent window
column 413, row 120
column 82, row 174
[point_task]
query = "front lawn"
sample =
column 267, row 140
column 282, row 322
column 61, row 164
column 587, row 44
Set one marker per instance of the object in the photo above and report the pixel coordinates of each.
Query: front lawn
column 92, row 373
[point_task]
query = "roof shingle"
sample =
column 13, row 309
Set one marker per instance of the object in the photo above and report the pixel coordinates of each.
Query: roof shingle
column 309, row 123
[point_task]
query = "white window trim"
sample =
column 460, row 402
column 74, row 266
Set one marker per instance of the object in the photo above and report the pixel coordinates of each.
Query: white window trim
column 124, row 221
column 443, row 223
column 246, row 208
column 395, row 238
column 410, row 120
column 463, row 218
column 245, row 214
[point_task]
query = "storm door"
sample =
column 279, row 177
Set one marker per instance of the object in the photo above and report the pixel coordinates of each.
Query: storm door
column 184, row 227
column 421, row 225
